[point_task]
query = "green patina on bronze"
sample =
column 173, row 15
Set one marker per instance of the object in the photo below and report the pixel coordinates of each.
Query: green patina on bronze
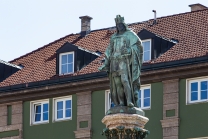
column 123, row 61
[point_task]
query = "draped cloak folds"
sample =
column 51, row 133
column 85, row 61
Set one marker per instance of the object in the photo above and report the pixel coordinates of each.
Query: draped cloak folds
column 135, row 60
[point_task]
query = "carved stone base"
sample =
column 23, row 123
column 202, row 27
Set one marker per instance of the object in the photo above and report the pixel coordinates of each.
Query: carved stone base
column 125, row 126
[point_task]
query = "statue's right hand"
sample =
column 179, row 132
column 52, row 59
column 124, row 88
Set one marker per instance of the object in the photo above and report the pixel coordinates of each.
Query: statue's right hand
column 103, row 68
column 100, row 68
column 126, row 51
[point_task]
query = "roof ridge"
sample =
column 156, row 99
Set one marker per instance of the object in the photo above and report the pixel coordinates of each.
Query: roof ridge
column 115, row 26
column 102, row 29
column 41, row 47
column 166, row 17
column 180, row 14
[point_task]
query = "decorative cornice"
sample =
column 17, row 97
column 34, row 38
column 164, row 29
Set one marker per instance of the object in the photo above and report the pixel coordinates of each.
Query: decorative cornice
column 55, row 90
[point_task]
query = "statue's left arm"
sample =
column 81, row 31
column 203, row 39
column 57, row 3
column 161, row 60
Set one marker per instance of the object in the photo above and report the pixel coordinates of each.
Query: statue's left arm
column 136, row 55
column 138, row 49
column 136, row 64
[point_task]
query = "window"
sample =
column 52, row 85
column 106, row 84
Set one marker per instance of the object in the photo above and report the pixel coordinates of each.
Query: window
column 144, row 99
column 108, row 103
column 39, row 112
column 63, row 108
column 66, row 63
column 197, row 90
column 147, row 50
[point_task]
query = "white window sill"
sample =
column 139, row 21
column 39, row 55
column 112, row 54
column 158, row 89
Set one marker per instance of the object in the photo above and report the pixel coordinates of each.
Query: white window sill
column 39, row 123
column 197, row 102
column 147, row 108
column 61, row 120
column 66, row 73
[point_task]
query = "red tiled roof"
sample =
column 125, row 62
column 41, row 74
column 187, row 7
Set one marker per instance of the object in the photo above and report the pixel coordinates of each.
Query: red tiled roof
column 191, row 29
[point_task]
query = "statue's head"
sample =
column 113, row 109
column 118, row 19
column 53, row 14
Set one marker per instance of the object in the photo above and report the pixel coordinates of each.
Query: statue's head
column 120, row 24
column 121, row 27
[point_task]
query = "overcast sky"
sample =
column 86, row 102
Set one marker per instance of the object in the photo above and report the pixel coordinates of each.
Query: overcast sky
column 26, row 25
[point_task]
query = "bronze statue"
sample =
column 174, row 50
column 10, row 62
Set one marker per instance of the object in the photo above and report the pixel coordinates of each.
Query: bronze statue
column 123, row 61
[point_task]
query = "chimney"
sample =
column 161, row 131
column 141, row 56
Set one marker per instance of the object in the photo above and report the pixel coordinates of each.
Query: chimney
column 155, row 16
column 85, row 25
column 197, row 7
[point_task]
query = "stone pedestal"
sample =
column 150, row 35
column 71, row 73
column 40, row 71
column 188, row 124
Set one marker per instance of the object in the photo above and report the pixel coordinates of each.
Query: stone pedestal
column 125, row 126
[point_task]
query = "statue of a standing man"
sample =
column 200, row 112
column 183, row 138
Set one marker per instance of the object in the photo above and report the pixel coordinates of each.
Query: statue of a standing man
column 123, row 61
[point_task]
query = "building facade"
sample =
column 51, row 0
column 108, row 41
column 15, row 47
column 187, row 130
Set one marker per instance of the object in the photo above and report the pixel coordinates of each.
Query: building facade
column 57, row 91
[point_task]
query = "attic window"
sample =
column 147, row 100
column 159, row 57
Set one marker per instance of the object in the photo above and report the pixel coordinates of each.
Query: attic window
column 66, row 63
column 146, row 50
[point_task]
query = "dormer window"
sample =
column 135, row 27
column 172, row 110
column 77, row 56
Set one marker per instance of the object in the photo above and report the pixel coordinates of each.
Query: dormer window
column 66, row 63
column 146, row 50
column 154, row 45
column 71, row 58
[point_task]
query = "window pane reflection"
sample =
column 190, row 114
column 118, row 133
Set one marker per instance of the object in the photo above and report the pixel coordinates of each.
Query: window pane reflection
column 70, row 58
column 146, row 102
column 45, row 116
column 194, row 86
column 194, row 96
column 37, row 117
column 64, row 59
column 68, row 113
column 59, row 114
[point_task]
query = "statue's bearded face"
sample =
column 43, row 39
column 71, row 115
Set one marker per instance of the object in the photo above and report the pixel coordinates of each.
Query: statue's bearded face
column 120, row 27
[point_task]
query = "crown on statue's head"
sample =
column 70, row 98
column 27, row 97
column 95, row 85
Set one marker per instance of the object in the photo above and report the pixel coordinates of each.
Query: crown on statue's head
column 119, row 19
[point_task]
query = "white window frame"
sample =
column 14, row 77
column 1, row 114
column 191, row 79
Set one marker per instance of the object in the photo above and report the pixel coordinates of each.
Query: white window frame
column 107, row 100
column 188, row 89
column 147, row 86
column 150, row 40
column 60, row 63
column 55, row 119
column 32, row 111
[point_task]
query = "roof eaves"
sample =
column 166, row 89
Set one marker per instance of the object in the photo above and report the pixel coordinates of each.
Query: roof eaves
column 176, row 63
column 96, row 75
column 61, row 80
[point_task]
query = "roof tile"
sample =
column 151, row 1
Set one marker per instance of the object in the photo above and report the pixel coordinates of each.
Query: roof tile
column 190, row 29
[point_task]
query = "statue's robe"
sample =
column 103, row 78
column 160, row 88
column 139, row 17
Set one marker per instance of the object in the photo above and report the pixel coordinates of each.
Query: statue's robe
column 135, row 59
